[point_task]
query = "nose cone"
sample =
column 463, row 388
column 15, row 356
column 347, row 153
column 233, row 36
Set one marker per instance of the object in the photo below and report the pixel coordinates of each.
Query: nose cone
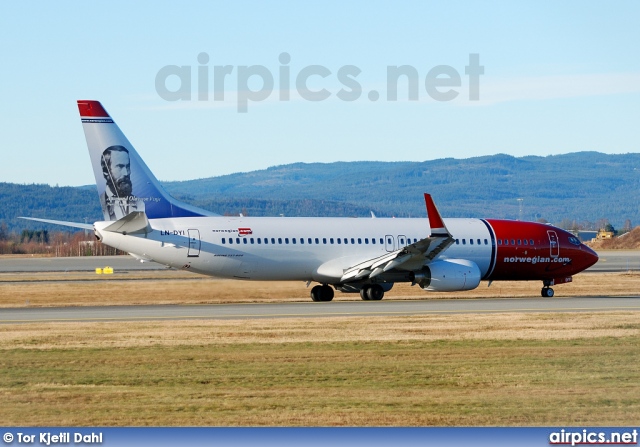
column 589, row 257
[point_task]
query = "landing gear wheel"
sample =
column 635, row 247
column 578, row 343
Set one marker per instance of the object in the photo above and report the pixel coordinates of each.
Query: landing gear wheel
column 316, row 293
column 547, row 292
column 322, row 293
column 363, row 293
column 327, row 293
column 375, row 292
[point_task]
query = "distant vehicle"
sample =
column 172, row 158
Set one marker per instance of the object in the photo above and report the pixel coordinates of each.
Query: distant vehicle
column 352, row 255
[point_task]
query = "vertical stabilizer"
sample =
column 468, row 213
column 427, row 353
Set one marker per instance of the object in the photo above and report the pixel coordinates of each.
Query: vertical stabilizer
column 125, row 183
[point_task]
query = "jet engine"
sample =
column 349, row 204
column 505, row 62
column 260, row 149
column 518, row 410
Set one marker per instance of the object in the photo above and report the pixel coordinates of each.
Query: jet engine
column 448, row 275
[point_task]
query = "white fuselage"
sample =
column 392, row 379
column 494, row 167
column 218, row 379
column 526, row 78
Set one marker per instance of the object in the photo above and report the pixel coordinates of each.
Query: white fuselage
column 290, row 248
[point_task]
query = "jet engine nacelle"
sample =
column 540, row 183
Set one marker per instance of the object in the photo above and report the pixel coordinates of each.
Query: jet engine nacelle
column 449, row 275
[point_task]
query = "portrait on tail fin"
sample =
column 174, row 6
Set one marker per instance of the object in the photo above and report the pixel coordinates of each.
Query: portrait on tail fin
column 118, row 198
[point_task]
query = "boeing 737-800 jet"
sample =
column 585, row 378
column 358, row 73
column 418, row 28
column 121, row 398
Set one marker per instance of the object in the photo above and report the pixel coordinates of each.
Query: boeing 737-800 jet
column 363, row 255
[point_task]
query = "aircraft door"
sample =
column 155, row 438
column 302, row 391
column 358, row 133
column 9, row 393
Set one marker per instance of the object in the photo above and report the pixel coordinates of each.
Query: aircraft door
column 194, row 243
column 389, row 242
column 554, row 246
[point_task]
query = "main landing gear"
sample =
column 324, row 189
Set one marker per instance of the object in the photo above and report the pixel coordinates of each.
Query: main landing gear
column 374, row 292
column 322, row 293
column 369, row 292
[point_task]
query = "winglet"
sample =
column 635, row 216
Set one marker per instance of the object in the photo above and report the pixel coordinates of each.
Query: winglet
column 436, row 223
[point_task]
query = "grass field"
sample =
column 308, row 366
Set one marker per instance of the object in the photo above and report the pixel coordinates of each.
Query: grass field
column 503, row 369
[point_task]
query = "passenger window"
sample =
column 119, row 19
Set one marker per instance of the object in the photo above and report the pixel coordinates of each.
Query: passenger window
column 526, row 242
column 279, row 240
column 252, row 241
column 317, row 241
column 373, row 240
column 310, row 242
column 366, row 240
column 259, row 240
column 479, row 242
column 223, row 241
column 230, row 240
column 513, row 242
column 470, row 241
column 331, row 240
column 293, row 240
column 273, row 240
column 381, row 241
column 286, row 240
column 339, row 241
column 457, row 241
column 499, row 241
column 359, row 240
column 237, row 240
column 302, row 240
column 266, row 240
column 464, row 242
column 353, row 241
column 531, row 242
column 324, row 240
column 244, row 241
column 486, row 242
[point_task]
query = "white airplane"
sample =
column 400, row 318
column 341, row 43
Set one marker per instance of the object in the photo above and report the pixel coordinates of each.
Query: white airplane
column 352, row 255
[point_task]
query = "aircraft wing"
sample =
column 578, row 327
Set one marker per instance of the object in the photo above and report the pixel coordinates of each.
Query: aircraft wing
column 411, row 257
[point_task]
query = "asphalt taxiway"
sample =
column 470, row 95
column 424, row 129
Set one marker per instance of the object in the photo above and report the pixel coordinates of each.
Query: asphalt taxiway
column 316, row 310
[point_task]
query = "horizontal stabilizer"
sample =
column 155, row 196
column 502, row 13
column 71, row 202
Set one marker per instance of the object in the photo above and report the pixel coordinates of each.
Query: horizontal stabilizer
column 133, row 223
column 84, row 226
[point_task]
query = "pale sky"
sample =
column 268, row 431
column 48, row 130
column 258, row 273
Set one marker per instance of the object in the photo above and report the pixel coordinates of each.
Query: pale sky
column 558, row 77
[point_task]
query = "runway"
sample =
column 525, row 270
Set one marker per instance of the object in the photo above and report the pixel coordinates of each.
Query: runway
column 11, row 264
column 317, row 310
column 617, row 261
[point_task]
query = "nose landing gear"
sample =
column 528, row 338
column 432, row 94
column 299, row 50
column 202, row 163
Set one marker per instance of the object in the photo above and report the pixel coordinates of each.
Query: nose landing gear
column 546, row 292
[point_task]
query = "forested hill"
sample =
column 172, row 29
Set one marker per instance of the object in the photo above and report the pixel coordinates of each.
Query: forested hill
column 582, row 187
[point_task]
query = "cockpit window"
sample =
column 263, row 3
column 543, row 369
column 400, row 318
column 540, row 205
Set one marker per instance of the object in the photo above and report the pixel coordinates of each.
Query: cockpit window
column 574, row 240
